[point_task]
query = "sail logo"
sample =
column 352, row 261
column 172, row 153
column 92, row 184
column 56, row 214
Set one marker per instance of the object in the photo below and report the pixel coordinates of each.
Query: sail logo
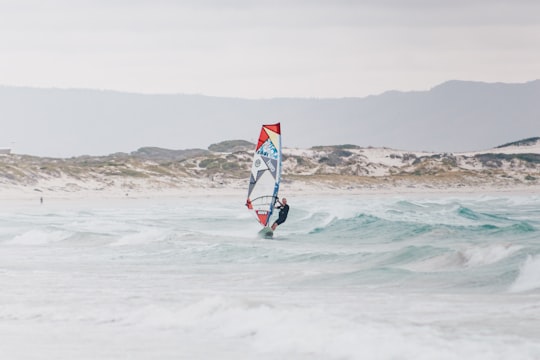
column 268, row 150
column 257, row 163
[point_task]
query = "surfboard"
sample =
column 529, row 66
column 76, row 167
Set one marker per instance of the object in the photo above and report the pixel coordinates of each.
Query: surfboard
column 265, row 174
column 266, row 233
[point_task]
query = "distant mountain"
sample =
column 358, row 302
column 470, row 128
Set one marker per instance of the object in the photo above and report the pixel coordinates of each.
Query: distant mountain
column 454, row 116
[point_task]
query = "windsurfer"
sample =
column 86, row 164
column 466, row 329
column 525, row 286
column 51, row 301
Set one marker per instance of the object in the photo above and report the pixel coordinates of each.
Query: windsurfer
column 282, row 213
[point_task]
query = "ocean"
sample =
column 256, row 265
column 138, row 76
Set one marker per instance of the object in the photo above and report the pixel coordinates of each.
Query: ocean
column 346, row 277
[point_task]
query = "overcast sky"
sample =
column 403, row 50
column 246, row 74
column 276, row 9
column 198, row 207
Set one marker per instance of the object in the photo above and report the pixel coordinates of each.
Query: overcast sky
column 264, row 49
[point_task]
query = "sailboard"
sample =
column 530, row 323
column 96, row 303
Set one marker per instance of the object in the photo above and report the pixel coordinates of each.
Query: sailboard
column 265, row 176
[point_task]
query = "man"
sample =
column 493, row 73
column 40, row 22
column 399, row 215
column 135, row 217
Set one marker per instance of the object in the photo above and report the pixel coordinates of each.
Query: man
column 282, row 213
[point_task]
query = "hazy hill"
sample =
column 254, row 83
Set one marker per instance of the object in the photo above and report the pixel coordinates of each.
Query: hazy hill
column 454, row 116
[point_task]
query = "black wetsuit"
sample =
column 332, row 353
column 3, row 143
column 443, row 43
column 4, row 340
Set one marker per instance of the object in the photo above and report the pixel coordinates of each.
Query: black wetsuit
column 282, row 214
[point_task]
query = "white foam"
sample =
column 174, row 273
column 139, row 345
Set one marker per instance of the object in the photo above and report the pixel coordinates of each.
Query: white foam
column 468, row 257
column 437, row 263
column 274, row 330
column 529, row 275
column 39, row 237
column 485, row 255
column 141, row 237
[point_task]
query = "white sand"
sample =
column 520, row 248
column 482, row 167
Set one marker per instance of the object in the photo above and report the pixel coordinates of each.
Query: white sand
column 238, row 188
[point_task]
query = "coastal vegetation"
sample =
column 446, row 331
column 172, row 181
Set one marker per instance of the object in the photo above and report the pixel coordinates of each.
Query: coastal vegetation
column 229, row 163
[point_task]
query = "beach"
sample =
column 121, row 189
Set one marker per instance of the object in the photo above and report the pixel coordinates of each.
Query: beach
column 57, row 189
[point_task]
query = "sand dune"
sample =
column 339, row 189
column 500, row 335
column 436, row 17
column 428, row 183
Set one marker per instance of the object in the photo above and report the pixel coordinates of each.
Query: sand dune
column 328, row 169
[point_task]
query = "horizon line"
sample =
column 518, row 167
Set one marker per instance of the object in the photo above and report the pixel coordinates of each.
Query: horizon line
column 127, row 92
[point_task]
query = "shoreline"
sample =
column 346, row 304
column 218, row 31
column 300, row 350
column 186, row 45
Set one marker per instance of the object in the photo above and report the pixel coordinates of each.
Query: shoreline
column 236, row 190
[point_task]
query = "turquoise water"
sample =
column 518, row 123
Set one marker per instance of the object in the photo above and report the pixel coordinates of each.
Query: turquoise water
column 346, row 277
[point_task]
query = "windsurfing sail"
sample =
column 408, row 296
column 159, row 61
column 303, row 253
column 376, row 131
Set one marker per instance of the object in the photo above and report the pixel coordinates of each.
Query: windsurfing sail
column 265, row 173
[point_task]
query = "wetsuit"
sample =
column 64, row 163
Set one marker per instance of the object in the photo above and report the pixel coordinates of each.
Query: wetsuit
column 282, row 214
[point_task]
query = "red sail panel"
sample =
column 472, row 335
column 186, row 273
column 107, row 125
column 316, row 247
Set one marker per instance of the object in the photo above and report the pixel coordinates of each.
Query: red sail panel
column 263, row 217
column 262, row 138
column 274, row 127
column 264, row 135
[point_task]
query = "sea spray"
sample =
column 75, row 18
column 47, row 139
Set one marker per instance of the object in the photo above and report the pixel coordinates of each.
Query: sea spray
column 529, row 275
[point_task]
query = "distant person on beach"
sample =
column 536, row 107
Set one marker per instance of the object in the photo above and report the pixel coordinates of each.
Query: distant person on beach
column 41, row 200
column 282, row 213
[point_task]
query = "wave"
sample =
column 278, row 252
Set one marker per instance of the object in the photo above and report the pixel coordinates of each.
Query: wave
column 486, row 255
column 468, row 257
column 352, row 224
column 39, row 237
column 474, row 215
column 64, row 236
column 491, row 221
column 145, row 236
column 529, row 275
column 368, row 228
